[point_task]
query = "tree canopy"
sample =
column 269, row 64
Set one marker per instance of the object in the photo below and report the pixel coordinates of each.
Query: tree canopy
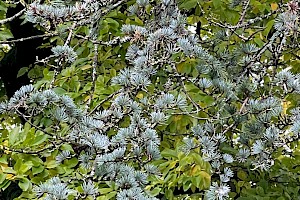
column 152, row 99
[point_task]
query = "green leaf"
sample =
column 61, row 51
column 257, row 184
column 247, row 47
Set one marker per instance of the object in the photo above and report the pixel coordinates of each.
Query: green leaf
column 228, row 149
column 113, row 23
column 280, row 198
column 140, row 22
column 3, row 7
column 187, row 160
column 187, row 186
column 22, row 71
column 240, row 183
column 169, row 153
column 259, row 42
column 13, row 135
column 208, row 100
column 198, row 159
column 8, row 170
column 85, row 67
column 39, row 139
column 2, row 177
column 5, row 34
column 105, row 190
column 46, row 122
column 67, row 147
column 217, row 3
column 196, row 181
column 206, row 179
column 242, row 175
column 71, row 163
column 59, row 91
column 269, row 26
column 5, row 184
column 169, row 194
column 51, row 164
column 37, row 170
column 188, row 4
column 113, row 72
column 111, row 195
column 24, row 184
column 155, row 191
column 3, row 159
column 260, row 191
column 25, row 167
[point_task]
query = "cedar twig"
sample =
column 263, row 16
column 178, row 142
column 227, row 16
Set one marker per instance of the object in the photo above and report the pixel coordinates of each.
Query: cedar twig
column 28, row 38
column 104, row 100
column 243, row 13
column 26, row 151
column 244, row 24
column 240, row 112
column 94, row 73
column 243, row 105
column 70, row 34
column 184, row 90
column 38, row 128
column 56, row 70
column 114, row 41
column 117, row 3
column 3, row 21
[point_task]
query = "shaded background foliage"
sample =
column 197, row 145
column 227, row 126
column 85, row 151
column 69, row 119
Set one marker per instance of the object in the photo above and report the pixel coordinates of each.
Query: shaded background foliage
column 22, row 55
column 183, row 175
